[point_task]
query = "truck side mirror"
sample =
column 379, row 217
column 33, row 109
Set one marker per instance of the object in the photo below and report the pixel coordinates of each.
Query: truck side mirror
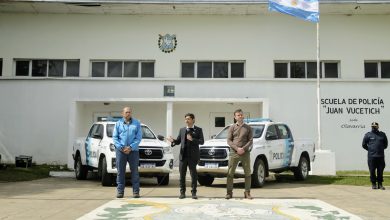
column 213, row 136
column 160, row 137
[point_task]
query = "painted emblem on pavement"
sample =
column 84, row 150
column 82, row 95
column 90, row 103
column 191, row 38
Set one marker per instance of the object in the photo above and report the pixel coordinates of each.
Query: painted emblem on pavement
column 176, row 209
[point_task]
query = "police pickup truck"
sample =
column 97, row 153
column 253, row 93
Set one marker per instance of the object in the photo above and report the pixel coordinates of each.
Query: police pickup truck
column 274, row 149
column 96, row 152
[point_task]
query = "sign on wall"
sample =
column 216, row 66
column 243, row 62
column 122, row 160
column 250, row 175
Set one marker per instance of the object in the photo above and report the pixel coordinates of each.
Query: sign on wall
column 167, row 43
column 354, row 108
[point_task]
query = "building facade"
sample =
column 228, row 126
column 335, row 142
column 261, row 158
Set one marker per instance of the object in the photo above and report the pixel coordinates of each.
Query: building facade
column 66, row 64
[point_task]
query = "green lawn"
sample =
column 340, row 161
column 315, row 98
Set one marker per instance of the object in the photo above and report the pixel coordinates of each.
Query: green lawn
column 13, row 174
column 356, row 178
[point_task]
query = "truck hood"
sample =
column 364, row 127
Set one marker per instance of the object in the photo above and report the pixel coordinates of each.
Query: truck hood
column 150, row 143
column 215, row 143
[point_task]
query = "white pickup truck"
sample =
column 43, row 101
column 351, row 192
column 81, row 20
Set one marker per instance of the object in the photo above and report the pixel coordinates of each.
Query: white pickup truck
column 274, row 149
column 96, row 152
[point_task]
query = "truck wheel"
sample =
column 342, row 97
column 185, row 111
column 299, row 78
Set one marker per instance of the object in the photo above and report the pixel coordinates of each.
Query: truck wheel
column 163, row 180
column 302, row 171
column 258, row 176
column 80, row 170
column 206, row 180
column 107, row 178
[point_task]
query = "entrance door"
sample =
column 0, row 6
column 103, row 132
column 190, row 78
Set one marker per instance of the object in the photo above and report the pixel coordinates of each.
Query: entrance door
column 218, row 120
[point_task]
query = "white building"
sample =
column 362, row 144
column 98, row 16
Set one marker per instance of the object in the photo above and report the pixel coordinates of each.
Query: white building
column 66, row 63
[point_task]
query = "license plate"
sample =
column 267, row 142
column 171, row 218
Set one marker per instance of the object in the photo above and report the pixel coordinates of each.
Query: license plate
column 148, row 165
column 211, row 165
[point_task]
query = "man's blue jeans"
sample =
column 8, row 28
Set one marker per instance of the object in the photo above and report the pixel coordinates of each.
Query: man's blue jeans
column 121, row 161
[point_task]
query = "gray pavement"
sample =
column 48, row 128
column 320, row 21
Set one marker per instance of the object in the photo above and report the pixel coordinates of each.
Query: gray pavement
column 64, row 197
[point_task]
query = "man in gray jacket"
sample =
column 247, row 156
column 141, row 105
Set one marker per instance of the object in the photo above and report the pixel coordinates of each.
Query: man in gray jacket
column 375, row 142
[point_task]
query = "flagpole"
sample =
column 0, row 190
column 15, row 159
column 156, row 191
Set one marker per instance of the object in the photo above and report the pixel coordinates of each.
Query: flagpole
column 318, row 88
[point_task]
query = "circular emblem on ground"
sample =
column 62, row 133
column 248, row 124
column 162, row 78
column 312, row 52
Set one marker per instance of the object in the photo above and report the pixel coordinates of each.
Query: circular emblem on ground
column 167, row 43
column 211, row 152
column 148, row 152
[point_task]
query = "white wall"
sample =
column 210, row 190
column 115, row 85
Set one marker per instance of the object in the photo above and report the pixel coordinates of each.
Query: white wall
column 259, row 40
column 35, row 114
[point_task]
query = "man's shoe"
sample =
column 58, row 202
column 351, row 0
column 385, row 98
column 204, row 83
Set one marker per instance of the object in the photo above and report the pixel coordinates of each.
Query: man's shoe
column 229, row 195
column 182, row 196
column 136, row 195
column 119, row 195
column 374, row 186
column 247, row 195
column 194, row 196
column 380, row 186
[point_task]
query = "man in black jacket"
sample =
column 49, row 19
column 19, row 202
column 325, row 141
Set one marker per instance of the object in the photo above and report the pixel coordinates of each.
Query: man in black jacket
column 190, row 137
column 375, row 142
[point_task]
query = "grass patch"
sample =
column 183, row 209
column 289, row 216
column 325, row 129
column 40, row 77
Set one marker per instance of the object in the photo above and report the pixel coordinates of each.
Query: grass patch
column 14, row 174
column 345, row 178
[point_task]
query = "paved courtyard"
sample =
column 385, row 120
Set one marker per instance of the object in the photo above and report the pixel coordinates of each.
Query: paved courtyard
column 67, row 198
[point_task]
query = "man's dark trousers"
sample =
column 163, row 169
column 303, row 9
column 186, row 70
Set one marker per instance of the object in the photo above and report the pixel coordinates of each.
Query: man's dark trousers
column 378, row 164
column 191, row 164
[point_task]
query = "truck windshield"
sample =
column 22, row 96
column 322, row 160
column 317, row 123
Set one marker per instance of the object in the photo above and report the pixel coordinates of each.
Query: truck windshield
column 146, row 132
column 257, row 131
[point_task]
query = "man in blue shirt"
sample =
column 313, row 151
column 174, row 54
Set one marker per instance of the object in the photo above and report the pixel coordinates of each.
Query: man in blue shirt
column 375, row 142
column 127, row 136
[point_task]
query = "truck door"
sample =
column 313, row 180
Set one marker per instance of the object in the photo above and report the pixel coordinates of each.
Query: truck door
column 92, row 143
column 274, row 147
column 288, row 144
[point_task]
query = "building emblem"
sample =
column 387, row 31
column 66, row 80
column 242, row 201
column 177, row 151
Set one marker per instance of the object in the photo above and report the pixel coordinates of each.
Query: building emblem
column 167, row 43
column 211, row 152
column 148, row 152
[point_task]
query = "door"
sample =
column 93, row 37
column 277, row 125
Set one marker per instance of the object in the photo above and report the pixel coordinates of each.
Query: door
column 274, row 147
column 92, row 144
column 288, row 144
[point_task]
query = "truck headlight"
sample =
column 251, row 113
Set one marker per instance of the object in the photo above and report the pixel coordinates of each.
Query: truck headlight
column 167, row 150
column 112, row 147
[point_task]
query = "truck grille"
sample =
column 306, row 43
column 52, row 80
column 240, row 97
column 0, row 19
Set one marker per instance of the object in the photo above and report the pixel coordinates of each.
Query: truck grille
column 213, row 153
column 159, row 163
column 150, row 153
column 223, row 163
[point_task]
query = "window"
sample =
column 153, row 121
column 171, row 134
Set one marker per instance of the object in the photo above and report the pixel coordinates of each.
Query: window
column 122, row 68
column 130, row 69
column 237, row 70
column 114, row 69
column 72, row 68
column 188, row 70
column 377, row 69
column 56, row 68
column 39, row 68
column 283, row 132
column 147, row 69
column 47, row 68
column 204, row 69
column 1, row 67
column 271, row 133
column 297, row 70
column 22, row 68
column 219, row 122
column 305, row 69
column 220, row 70
column 212, row 69
column 281, row 70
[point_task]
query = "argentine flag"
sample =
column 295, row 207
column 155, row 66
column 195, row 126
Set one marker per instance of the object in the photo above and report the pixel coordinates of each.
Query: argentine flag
column 304, row 9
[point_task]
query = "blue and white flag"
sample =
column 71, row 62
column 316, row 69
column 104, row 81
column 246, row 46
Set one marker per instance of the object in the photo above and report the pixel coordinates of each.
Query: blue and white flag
column 304, row 9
